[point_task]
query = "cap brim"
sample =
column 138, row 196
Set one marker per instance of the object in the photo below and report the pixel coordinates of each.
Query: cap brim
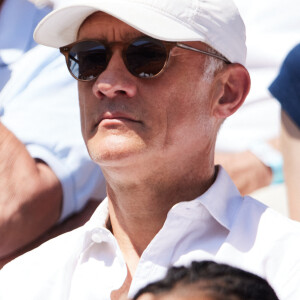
column 60, row 27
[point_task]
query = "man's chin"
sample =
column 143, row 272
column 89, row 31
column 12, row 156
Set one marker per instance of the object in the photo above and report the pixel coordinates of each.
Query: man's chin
column 114, row 155
column 116, row 148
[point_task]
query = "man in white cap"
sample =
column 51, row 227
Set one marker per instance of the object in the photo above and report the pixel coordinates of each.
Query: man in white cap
column 156, row 80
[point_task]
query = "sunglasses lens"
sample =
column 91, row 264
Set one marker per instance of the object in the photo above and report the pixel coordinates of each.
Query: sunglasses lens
column 87, row 59
column 146, row 57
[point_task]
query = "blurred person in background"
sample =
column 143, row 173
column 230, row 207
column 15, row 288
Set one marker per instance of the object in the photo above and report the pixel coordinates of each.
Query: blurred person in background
column 18, row 19
column 248, row 143
column 46, row 174
column 286, row 89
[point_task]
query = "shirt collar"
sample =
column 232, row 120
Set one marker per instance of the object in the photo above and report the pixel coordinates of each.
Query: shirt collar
column 100, row 216
column 222, row 200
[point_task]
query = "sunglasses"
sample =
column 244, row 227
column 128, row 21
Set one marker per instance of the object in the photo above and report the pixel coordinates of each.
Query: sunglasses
column 144, row 57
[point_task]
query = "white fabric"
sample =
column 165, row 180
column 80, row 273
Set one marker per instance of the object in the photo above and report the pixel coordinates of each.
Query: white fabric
column 272, row 29
column 221, row 225
column 18, row 19
column 40, row 106
column 215, row 22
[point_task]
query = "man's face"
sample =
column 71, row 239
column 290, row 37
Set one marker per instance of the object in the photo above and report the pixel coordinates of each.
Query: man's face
column 128, row 120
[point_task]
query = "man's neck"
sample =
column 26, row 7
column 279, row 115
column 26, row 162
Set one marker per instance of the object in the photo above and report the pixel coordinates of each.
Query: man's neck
column 138, row 212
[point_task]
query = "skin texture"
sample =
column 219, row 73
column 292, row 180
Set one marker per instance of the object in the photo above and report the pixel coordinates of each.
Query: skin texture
column 290, row 144
column 154, row 139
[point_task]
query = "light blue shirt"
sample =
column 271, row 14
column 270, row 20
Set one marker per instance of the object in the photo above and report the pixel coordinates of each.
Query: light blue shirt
column 39, row 105
column 18, row 19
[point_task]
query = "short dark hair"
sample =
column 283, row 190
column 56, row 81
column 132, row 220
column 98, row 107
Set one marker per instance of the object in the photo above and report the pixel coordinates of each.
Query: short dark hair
column 221, row 280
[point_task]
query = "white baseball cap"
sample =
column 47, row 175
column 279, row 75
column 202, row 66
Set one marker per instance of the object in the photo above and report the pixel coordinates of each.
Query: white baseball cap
column 214, row 22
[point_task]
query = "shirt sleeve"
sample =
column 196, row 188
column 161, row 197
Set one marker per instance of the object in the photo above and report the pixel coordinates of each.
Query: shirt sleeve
column 42, row 110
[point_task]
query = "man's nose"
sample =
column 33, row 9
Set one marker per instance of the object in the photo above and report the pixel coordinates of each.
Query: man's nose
column 115, row 80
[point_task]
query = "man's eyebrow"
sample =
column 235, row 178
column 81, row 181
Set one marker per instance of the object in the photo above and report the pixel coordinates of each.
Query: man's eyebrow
column 124, row 36
column 127, row 36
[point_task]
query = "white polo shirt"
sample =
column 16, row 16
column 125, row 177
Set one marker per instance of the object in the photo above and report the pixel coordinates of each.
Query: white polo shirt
column 221, row 225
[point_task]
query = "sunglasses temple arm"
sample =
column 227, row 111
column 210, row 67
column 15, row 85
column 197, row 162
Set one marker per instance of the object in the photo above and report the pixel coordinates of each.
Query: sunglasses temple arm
column 184, row 46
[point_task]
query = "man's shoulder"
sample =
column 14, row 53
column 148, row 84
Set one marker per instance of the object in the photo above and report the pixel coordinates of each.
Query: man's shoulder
column 265, row 214
column 264, row 224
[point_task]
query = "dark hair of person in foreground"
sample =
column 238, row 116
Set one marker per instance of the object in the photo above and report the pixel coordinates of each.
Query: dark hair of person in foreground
column 210, row 280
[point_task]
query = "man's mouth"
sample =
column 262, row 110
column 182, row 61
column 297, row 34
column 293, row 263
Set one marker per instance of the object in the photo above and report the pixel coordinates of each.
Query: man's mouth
column 117, row 117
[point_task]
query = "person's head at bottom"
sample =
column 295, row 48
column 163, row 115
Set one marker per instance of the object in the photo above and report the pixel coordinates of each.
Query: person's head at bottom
column 208, row 280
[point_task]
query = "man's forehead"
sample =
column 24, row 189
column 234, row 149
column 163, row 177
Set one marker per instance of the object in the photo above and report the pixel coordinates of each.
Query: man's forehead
column 101, row 25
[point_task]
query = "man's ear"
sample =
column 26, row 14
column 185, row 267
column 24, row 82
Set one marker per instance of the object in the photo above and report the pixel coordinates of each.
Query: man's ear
column 231, row 87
